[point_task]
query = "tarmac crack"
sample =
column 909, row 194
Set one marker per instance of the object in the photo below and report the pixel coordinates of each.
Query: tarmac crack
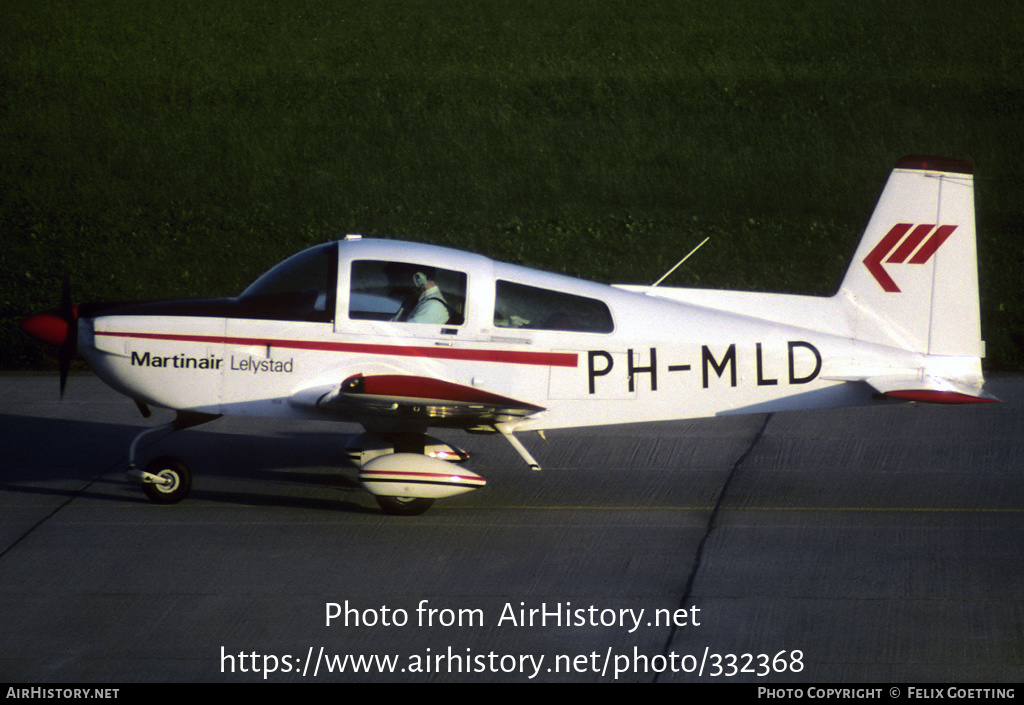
column 711, row 525
column 75, row 494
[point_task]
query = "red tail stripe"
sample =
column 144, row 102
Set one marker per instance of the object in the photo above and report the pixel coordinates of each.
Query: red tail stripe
column 910, row 244
column 874, row 259
column 934, row 243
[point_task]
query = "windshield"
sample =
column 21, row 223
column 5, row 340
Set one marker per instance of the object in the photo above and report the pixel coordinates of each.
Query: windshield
column 301, row 288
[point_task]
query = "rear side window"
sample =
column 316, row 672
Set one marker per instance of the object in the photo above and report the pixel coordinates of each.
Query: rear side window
column 522, row 306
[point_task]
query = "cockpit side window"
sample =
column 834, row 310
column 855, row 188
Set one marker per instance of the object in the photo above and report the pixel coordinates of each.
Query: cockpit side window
column 522, row 306
column 406, row 292
column 301, row 288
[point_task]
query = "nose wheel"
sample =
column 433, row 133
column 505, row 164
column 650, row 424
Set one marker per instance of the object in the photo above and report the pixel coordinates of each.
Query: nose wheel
column 167, row 480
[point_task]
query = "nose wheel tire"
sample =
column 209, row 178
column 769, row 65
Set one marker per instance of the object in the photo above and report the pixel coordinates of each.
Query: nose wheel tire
column 404, row 506
column 176, row 480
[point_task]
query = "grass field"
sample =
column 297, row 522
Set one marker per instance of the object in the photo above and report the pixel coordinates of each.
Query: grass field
column 154, row 149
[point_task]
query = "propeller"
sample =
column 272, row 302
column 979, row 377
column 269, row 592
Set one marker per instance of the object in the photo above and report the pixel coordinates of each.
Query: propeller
column 57, row 327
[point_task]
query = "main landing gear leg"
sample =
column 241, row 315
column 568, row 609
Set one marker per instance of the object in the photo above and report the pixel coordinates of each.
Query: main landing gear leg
column 506, row 431
column 166, row 480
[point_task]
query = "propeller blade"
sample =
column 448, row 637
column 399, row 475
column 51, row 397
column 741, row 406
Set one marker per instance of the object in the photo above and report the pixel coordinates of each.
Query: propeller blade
column 66, row 307
column 64, row 362
column 69, row 347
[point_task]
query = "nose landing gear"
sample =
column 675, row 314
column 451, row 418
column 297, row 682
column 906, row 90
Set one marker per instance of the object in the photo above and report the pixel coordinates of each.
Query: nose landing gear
column 166, row 480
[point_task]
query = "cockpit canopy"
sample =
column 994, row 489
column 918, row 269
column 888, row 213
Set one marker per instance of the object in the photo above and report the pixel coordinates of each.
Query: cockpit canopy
column 404, row 283
column 301, row 288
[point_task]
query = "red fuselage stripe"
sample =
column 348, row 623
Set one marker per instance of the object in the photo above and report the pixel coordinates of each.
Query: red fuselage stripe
column 502, row 356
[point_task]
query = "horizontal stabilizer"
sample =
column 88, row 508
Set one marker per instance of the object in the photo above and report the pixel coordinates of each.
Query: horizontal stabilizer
column 933, row 390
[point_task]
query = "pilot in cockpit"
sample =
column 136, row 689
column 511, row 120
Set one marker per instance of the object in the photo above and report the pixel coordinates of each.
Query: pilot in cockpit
column 428, row 304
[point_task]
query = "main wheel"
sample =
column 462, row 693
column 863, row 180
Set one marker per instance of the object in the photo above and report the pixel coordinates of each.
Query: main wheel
column 177, row 477
column 404, row 506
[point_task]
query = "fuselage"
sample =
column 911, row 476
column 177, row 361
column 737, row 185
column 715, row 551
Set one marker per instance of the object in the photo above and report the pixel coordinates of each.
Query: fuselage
column 588, row 353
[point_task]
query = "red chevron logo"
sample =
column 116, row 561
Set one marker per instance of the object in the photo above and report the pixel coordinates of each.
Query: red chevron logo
column 903, row 241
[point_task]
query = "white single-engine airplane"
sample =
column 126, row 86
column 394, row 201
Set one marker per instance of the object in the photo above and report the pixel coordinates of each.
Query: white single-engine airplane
column 404, row 337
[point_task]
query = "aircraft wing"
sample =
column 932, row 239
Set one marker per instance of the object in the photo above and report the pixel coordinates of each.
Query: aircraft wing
column 426, row 400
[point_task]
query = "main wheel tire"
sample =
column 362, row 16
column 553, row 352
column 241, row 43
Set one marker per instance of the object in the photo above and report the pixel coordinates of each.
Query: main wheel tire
column 404, row 506
column 169, row 468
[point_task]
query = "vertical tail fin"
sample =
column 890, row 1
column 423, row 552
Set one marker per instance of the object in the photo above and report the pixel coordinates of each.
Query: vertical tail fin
column 913, row 283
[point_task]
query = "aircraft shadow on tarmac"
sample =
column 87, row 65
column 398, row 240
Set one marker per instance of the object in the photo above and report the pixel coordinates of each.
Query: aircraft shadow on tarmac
column 856, row 457
column 73, row 458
